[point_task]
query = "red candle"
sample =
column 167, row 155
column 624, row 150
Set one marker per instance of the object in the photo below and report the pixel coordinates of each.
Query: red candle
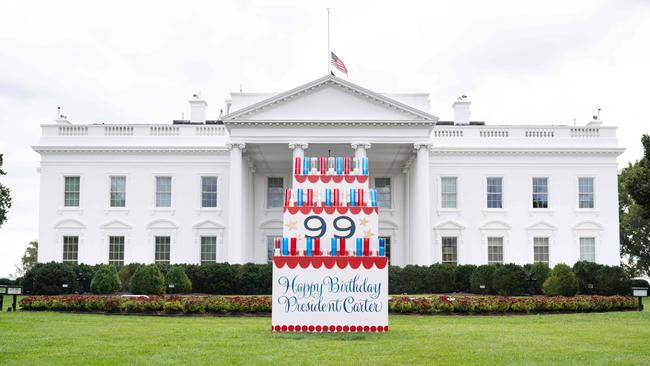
column 298, row 166
column 360, row 197
column 316, row 246
column 346, row 165
column 336, row 196
column 342, row 247
column 366, row 247
column 277, row 242
column 287, row 197
column 323, row 165
column 293, row 246
column 310, row 197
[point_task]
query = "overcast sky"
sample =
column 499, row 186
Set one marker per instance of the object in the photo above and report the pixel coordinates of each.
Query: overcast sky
column 520, row 62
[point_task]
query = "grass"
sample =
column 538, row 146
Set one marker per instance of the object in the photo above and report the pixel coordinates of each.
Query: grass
column 37, row 338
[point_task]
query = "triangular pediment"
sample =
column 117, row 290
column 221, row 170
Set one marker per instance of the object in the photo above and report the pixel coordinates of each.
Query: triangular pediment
column 162, row 224
column 70, row 224
column 329, row 99
column 208, row 225
column 541, row 225
column 449, row 225
column 116, row 225
column 495, row 225
column 588, row 225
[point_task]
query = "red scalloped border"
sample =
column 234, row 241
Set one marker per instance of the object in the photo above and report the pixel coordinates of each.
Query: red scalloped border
column 341, row 210
column 329, row 262
column 331, row 178
column 329, row 328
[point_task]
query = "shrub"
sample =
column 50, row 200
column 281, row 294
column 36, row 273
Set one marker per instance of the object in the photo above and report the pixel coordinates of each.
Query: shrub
column 482, row 276
column 255, row 279
column 216, row 278
column 536, row 274
column 7, row 282
column 438, row 278
column 106, row 280
column 395, row 281
column 84, row 273
column 462, row 275
column 586, row 274
column 50, row 277
column 176, row 276
column 125, row 274
column 561, row 282
column 509, row 279
column 638, row 282
column 612, row 281
column 148, row 280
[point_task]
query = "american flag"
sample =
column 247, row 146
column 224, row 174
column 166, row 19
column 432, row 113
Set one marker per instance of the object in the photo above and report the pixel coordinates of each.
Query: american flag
column 338, row 63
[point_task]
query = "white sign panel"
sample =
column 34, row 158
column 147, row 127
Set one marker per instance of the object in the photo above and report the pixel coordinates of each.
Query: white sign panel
column 350, row 295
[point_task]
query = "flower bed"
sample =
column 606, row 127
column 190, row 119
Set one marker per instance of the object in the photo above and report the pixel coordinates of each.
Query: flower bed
column 262, row 304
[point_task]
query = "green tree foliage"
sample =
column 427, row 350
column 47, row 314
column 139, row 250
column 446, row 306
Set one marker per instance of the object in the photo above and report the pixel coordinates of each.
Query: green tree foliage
column 634, row 212
column 105, row 280
column 176, row 276
column 28, row 259
column 5, row 198
column 147, row 280
column 561, row 281
column 509, row 279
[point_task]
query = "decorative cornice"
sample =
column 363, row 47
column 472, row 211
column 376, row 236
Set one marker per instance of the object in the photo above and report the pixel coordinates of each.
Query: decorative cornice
column 330, row 80
column 335, row 123
column 239, row 145
column 294, row 145
column 417, row 147
column 128, row 149
column 525, row 150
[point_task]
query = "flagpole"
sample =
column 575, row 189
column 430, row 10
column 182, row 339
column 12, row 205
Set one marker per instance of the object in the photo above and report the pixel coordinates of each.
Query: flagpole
column 329, row 64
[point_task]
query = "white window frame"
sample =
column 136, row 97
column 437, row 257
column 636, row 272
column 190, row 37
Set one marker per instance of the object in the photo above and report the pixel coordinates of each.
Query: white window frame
column 442, row 237
column 108, row 246
column 580, row 247
column 61, row 234
column 577, row 193
column 532, row 192
column 155, row 191
column 439, row 193
column 200, row 192
column 541, row 232
column 449, row 228
column 222, row 252
column 126, row 192
column 392, row 192
column 588, row 229
column 503, row 193
column 495, row 229
column 62, row 209
column 266, row 192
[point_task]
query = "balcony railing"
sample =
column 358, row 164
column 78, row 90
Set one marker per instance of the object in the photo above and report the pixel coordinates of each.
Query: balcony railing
column 133, row 131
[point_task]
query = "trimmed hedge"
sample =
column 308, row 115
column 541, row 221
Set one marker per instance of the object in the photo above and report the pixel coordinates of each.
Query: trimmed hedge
column 509, row 279
column 262, row 304
column 249, row 279
column 177, row 277
column 106, row 280
column 561, row 282
column 148, row 280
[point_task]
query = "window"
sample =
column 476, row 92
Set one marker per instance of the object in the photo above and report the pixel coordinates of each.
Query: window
column 382, row 185
column 588, row 249
column 270, row 247
column 163, row 244
column 495, row 250
column 71, row 192
column 495, row 193
column 449, row 249
column 116, row 250
column 118, row 191
column 209, row 192
column 208, row 249
column 586, row 192
column 387, row 249
column 274, row 192
column 70, row 249
column 540, row 192
column 540, row 250
column 448, row 193
column 163, row 191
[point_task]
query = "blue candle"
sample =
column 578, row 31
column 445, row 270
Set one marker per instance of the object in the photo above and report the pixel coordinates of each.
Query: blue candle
column 373, row 197
column 382, row 247
column 305, row 165
column 309, row 246
column 299, row 197
column 333, row 241
column 352, row 197
column 359, row 246
column 364, row 165
column 328, row 196
column 285, row 246
column 339, row 165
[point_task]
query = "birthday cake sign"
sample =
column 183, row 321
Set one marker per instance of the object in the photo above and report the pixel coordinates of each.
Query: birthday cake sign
column 330, row 272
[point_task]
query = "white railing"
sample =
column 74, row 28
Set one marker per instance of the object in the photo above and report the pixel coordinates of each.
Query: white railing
column 210, row 130
column 73, row 130
column 164, row 130
column 539, row 132
column 585, row 132
column 447, row 133
column 494, row 133
column 118, row 130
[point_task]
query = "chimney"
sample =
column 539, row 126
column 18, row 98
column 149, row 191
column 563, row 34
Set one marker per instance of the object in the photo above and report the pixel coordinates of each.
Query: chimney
column 461, row 110
column 198, row 107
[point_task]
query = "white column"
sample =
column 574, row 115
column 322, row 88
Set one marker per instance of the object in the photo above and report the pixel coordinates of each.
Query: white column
column 235, row 244
column 298, row 150
column 421, row 236
column 360, row 149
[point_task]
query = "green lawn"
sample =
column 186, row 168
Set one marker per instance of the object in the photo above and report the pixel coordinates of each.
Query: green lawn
column 41, row 338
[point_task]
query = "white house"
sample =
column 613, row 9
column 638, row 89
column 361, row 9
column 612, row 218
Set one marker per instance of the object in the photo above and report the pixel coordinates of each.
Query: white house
column 199, row 191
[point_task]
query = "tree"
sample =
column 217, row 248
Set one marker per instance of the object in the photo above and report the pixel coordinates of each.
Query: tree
column 29, row 259
column 5, row 198
column 634, row 212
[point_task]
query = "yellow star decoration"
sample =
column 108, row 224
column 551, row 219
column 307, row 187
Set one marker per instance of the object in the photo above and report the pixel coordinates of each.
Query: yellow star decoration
column 291, row 225
column 363, row 221
column 368, row 234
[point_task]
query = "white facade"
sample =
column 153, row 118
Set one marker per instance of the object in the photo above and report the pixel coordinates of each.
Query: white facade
column 259, row 136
